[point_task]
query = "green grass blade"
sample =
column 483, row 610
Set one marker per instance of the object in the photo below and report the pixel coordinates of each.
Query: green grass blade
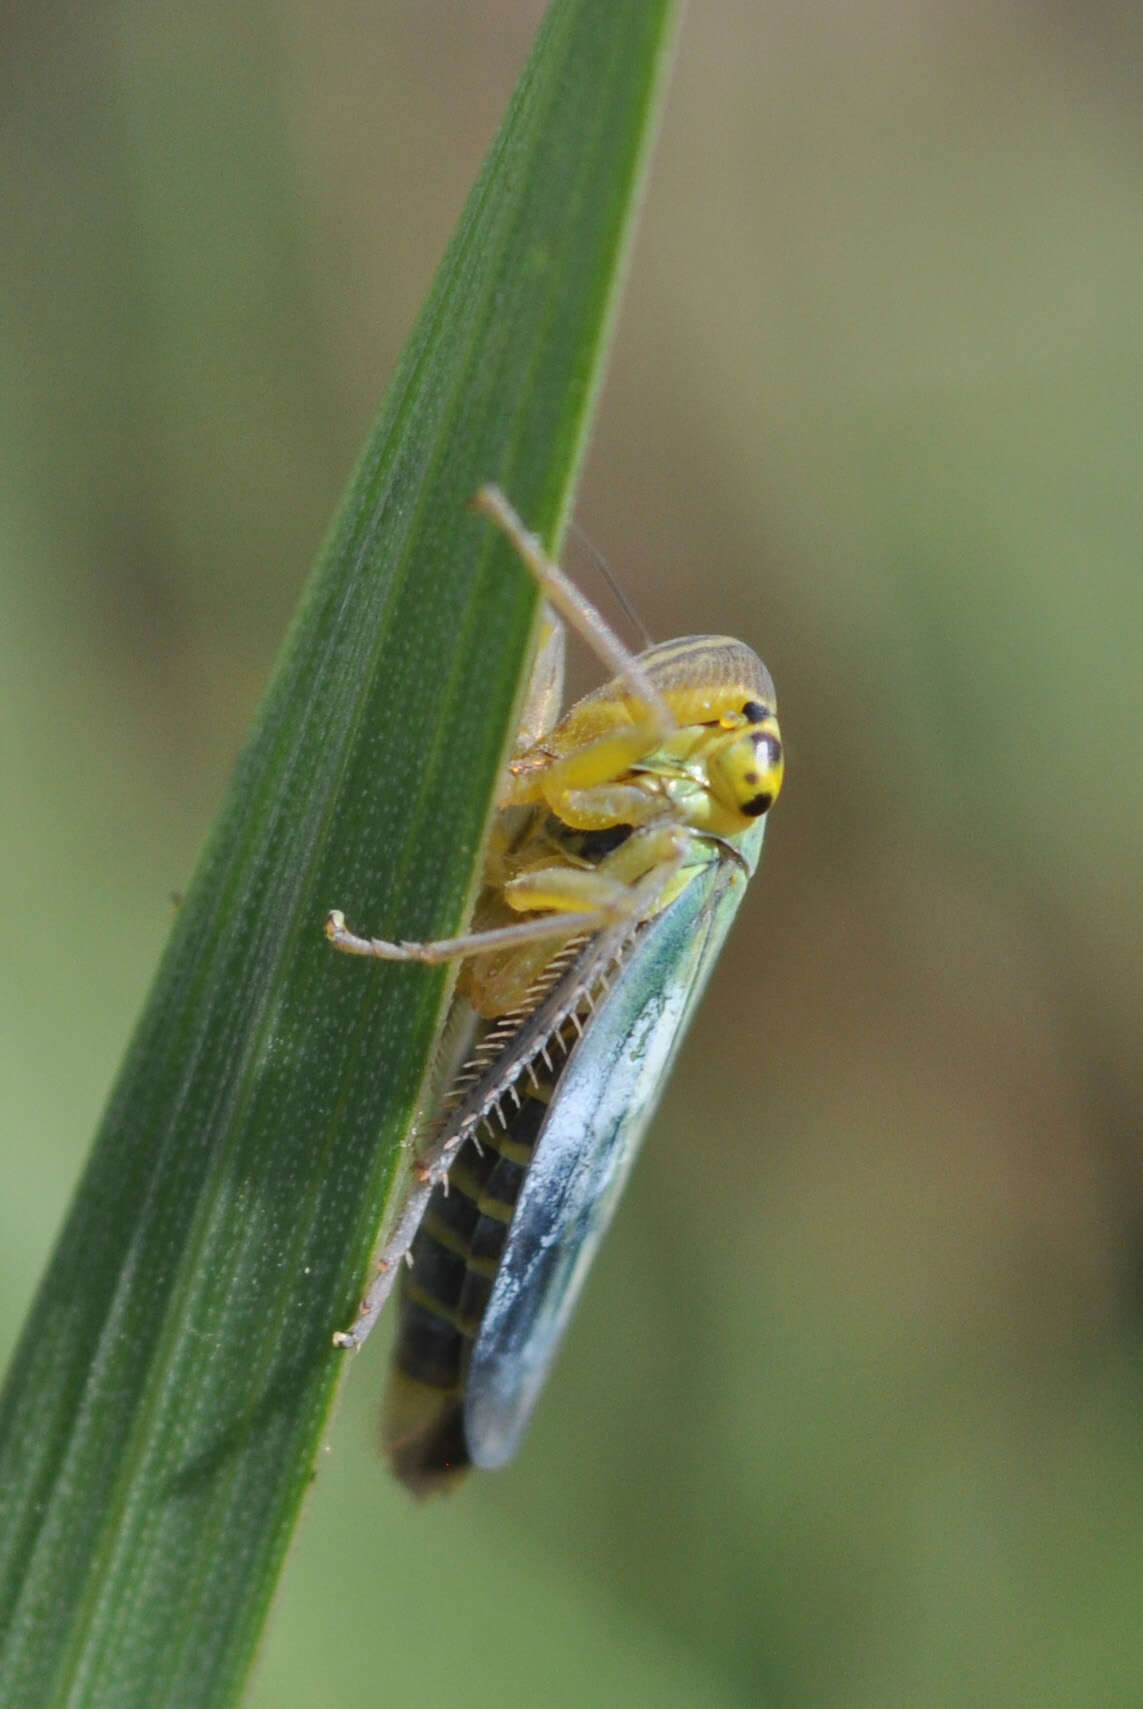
column 162, row 1417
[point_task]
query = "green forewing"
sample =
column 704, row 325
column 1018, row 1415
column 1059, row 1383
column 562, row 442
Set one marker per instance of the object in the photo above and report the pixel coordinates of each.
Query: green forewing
column 604, row 1100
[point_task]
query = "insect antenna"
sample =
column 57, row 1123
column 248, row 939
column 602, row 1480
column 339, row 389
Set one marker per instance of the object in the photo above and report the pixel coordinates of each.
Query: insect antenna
column 605, row 571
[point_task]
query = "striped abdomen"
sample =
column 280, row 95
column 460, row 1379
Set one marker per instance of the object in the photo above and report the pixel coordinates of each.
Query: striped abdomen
column 456, row 1254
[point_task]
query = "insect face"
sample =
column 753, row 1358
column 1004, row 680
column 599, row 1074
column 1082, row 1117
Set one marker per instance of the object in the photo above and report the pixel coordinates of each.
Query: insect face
column 746, row 768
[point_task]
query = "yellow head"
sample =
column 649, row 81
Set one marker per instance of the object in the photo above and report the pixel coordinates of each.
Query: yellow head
column 746, row 766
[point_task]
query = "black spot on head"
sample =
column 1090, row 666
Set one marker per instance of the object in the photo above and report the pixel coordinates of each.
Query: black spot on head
column 754, row 712
column 767, row 748
column 750, row 777
column 758, row 805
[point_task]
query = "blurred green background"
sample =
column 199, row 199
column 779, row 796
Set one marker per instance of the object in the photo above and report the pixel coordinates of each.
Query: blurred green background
column 852, row 1414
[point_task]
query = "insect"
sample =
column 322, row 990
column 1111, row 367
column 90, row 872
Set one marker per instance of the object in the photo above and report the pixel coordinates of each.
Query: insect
column 625, row 832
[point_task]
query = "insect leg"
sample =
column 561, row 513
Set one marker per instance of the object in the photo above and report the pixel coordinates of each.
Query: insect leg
column 388, row 1266
column 545, row 691
column 565, row 597
column 558, row 925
